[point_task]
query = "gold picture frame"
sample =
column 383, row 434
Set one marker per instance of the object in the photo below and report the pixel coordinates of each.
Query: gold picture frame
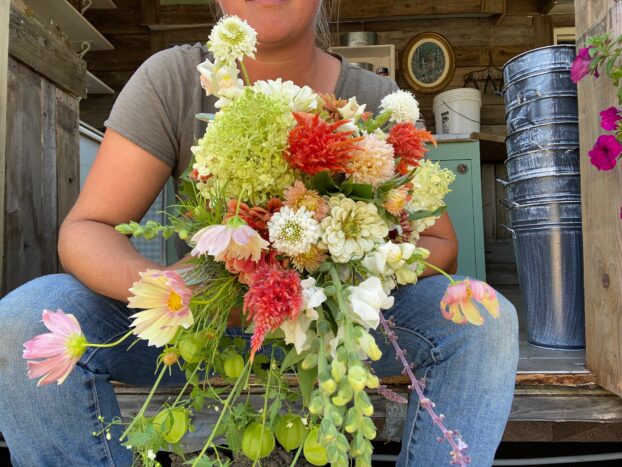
column 428, row 63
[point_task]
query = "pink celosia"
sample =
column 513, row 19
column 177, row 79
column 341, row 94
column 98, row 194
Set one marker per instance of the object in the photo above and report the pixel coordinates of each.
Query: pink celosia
column 235, row 239
column 166, row 302
column 274, row 296
column 605, row 153
column 459, row 302
column 60, row 349
column 609, row 118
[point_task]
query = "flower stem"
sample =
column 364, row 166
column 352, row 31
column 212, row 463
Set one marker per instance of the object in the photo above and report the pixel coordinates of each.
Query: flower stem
column 232, row 395
column 146, row 404
column 439, row 270
column 265, row 406
column 458, row 446
column 111, row 344
column 247, row 80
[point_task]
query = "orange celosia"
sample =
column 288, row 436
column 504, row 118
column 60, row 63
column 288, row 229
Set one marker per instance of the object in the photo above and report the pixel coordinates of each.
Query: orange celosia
column 409, row 144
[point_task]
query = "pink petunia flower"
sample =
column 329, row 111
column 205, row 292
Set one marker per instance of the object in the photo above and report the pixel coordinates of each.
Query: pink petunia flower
column 609, row 118
column 233, row 240
column 459, row 302
column 60, row 349
column 605, row 153
column 166, row 302
column 581, row 66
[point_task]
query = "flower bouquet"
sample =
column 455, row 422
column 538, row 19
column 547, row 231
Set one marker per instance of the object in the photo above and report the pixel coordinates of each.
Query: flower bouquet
column 303, row 210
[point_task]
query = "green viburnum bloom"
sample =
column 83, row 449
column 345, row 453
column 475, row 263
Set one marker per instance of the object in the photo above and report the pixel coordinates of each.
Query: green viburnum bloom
column 243, row 146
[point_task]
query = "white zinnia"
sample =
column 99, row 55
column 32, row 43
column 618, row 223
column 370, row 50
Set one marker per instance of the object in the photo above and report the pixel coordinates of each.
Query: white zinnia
column 231, row 39
column 297, row 331
column 299, row 99
column 366, row 300
column 293, row 232
column 221, row 80
column 403, row 105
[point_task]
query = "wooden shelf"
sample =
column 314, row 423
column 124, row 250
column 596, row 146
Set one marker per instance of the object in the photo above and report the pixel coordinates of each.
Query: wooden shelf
column 102, row 5
column 96, row 86
column 377, row 55
column 70, row 22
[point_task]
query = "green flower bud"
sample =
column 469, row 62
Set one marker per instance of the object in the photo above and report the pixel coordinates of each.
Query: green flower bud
column 353, row 419
column 338, row 370
column 357, row 377
column 330, row 290
column 362, row 402
column 334, row 414
column 357, row 446
column 310, row 361
column 373, row 382
column 328, row 386
column 368, row 429
column 316, row 407
column 328, row 431
column 362, row 462
column 344, row 394
column 183, row 234
column 369, row 346
column 342, row 443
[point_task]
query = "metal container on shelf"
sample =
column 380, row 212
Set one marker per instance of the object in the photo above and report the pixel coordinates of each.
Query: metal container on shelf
column 546, row 84
column 363, row 65
column 538, row 62
column 543, row 162
column 358, row 38
column 548, row 136
column 548, row 213
column 556, row 187
column 541, row 111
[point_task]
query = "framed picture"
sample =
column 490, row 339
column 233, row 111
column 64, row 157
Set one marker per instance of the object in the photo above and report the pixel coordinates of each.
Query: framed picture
column 428, row 62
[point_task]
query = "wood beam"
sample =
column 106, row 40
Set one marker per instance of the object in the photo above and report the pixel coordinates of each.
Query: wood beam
column 5, row 12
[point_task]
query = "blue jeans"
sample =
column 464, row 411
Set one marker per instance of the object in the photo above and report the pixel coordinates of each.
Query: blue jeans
column 469, row 371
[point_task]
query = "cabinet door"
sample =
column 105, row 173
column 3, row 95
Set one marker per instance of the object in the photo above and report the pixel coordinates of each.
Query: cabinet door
column 461, row 211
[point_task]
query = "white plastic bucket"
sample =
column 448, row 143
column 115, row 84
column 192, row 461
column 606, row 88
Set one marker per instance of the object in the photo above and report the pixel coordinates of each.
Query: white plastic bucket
column 458, row 111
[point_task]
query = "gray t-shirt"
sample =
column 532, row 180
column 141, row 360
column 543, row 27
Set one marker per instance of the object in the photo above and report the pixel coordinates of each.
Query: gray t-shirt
column 156, row 109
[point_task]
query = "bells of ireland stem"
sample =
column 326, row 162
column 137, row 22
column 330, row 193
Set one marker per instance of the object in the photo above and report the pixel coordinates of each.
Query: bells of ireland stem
column 357, row 377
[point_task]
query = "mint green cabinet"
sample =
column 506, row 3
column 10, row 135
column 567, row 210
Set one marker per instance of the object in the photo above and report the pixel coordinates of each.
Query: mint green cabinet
column 464, row 203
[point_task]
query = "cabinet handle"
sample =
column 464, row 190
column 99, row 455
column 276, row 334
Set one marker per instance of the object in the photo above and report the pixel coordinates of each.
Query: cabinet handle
column 462, row 168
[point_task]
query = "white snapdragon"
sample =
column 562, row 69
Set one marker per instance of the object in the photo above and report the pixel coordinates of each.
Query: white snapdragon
column 300, row 99
column 403, row 105
column 366, row 300
column 352, row 112
column 220, row 80
column 231, row 39
column 400, row 260
column 297, row 331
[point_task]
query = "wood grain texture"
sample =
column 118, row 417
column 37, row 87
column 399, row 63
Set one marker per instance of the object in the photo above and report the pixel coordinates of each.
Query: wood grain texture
column 601, row 201
column 67, row 153
column 45, row 53
column 5, row 11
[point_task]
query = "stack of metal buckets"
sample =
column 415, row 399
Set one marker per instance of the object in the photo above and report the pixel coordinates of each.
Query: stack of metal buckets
column 543, row 194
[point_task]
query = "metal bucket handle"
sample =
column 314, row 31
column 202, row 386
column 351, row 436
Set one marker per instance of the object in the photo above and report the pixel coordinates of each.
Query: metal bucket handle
column 509, row 229
column 503, row 182
column 508, row 204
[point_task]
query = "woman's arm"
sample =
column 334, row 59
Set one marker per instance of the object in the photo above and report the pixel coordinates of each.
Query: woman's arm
column 441, row 240
column 124, row 181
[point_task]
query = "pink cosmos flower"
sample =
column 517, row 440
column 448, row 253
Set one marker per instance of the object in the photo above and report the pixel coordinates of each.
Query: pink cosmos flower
column 609, row 118
column 581, row 66
column 459, row 302
column 60, row 349
column 166, row 300
column 605, row 153
column 233, row 240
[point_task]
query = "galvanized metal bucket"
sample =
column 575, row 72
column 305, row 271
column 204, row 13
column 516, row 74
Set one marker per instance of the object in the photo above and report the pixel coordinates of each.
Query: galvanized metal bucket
column 544, row 84
column 556, row 187
column 541, row 111
column 543, row 214
column 543, row 162
column 537, row 61
column 548, row 136
column 550, row 274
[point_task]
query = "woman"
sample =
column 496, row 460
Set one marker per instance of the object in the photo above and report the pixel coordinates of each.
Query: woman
column 469, row 370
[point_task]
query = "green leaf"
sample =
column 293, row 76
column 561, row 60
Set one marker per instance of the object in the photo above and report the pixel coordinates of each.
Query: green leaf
column 323, row 183
column 306, row 382
column 413, row 216
column 363, row 191
column 292, row 358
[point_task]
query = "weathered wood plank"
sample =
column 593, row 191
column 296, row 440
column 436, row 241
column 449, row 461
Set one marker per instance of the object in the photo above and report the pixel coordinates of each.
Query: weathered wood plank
column 5, row 11
column 490, row 202
column 23, row 254
column 67, row 153
column 601, row 201
column 38, row 48
column 49, row 213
